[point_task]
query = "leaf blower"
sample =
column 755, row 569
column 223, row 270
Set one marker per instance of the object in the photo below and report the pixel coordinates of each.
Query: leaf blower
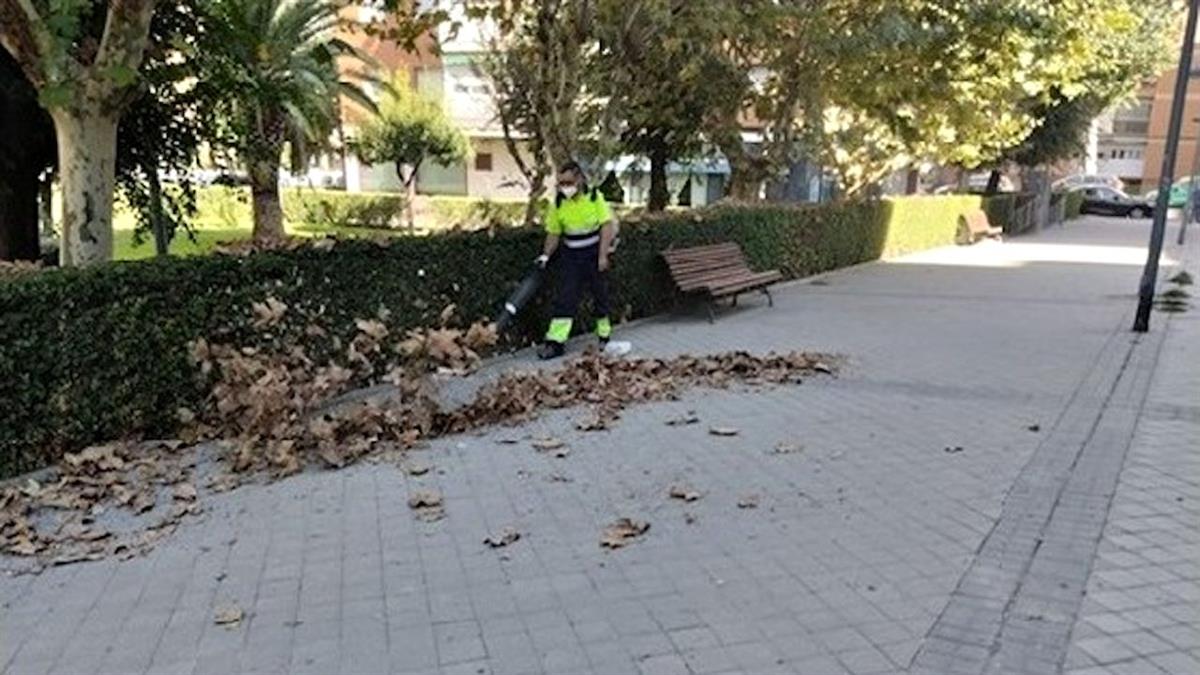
column 525, row 291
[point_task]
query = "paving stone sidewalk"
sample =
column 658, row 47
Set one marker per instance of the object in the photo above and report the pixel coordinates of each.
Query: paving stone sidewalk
column 862, row 545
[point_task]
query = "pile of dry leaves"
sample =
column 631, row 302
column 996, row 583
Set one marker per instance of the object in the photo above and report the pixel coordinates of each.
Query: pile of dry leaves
column 609, row 385
column 274, row 407
column 276, row 411
column 58, row 517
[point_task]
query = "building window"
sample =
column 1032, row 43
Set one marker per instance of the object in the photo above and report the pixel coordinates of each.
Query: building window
column 483, row 161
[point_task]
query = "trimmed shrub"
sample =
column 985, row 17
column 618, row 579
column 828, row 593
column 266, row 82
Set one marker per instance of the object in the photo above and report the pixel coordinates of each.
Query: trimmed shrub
column 469, row 212
column 919, row 223
column 1073, row 204
column 309, row 206
column 94, row 354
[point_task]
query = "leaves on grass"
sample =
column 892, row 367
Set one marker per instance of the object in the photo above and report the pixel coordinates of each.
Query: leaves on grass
column 622, row 532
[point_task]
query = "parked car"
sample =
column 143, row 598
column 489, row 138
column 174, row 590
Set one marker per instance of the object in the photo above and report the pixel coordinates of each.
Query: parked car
column 1080, row 180
column 1102, row 200
column 1179, row 192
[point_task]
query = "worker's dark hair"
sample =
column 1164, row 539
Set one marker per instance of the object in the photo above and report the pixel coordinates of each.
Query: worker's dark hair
column 572, row 166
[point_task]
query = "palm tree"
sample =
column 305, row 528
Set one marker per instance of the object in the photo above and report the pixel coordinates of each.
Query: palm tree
column 273, row 64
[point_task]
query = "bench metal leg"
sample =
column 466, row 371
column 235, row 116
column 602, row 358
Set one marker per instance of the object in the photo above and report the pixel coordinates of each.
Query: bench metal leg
column 735, row 297
column 770, row 299
column 712, row 311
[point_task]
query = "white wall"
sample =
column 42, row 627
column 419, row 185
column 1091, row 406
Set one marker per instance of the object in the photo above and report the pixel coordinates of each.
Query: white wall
column 504, row 181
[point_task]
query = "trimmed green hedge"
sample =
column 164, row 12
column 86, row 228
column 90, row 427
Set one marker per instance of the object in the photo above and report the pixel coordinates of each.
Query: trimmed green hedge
column 100, row 353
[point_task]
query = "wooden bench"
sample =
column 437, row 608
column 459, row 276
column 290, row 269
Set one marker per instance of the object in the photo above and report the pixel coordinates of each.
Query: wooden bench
column 717, row 271
column 974, row 225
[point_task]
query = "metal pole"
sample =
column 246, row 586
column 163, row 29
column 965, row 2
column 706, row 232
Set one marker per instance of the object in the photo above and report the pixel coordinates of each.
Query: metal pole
column 1141, row 321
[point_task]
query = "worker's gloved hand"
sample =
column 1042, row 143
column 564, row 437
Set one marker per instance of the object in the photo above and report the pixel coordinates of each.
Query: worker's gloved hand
column 542, row 260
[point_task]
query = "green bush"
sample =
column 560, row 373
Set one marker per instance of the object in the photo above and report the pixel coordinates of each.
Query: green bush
column 472, row 213
column 310, row 206
column 93, row 354
column 335, row 208
column 1073, row 204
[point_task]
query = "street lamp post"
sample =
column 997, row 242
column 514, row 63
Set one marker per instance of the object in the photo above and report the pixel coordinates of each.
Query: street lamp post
column 1141, row 321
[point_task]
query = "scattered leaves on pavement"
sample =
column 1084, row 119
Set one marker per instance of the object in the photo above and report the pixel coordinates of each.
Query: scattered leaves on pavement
column 1182, row 278
column 504, row 537
column 748, row 501
column 1034, row 428
column 724, row 431
column 278, row 408
column 622, row 532
column 952, row 449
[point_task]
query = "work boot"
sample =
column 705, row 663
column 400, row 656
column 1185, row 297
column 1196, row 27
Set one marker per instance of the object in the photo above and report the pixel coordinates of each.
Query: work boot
column 550, row 350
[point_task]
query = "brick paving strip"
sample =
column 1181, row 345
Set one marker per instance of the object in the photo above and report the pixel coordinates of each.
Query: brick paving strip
column 1015, row 607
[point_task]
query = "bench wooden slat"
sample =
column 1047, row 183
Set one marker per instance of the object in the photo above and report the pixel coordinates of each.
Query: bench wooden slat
column 717, row 270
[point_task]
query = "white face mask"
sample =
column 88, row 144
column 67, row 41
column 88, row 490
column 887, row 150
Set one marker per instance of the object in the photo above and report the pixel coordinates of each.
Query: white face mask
column 569, row 191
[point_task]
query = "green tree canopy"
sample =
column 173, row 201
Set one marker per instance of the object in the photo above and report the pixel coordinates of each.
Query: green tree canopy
column 409, row 131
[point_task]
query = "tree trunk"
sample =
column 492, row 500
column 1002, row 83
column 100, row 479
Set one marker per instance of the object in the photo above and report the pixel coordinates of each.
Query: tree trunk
column 162, row 238
column 46, row 205
column 912, row 182
column 87, row 157
column 410, row 195
column 660, row 196
column 993, row 184
column 19, row 217
column 264, row 195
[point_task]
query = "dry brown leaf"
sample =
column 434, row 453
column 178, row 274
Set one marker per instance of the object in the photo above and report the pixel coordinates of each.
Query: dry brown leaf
column 447, row 314
column 593, row 422
column 268, row 312
column 422, row 499
column 504, row 537
column 684, row 492
column 748, row 502
column 547, row 444
column 622, row 532
column 185, row 492
column 228, row 614
column 724, row 431
column 689, row 417
column 783, row 448
column 371, row 328
column 415, row 468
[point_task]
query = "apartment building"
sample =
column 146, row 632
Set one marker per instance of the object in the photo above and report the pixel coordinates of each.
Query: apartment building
column 453, row 76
